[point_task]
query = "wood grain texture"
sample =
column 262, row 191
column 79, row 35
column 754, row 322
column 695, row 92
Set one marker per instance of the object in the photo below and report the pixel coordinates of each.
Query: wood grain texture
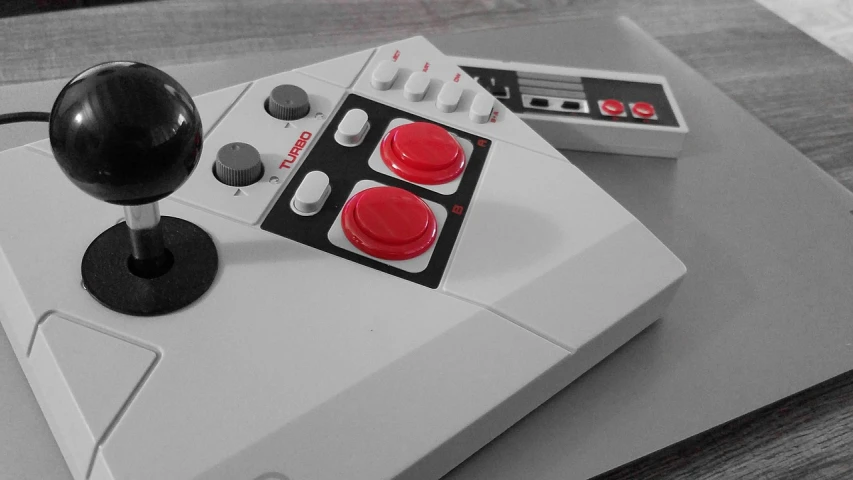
column 806, row 436
column 785, row 78
column 828, row 21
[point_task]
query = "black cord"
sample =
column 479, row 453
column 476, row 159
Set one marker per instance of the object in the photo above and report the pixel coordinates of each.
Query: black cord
column 24, row 117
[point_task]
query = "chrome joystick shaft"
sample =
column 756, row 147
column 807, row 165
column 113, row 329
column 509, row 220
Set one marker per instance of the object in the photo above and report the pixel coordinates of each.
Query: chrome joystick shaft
column 149, row 257
column 146, row 235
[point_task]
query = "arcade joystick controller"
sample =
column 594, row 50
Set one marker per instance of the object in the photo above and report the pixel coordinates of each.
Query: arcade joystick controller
column 405, row 269
column 128, row 134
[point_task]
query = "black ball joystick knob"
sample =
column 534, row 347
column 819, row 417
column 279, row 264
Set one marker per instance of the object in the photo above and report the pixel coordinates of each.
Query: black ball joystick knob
column 129, row 134
column 125, row 133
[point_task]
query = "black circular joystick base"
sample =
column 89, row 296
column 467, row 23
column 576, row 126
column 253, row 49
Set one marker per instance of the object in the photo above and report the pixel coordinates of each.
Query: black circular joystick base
column 108, row 276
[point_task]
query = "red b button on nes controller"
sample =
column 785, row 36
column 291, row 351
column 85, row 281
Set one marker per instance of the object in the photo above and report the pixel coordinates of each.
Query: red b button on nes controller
column 612, row 108
column 389, row 223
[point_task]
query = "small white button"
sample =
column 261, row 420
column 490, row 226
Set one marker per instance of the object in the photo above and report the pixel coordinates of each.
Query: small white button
column 384, row 75
column 311, row 194
column 481, row 108
column 352, row 128
column 416, row 87
column 448, row 97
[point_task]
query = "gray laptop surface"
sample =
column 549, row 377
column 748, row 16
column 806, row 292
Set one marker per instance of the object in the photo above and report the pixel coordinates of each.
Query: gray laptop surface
column 766, row 309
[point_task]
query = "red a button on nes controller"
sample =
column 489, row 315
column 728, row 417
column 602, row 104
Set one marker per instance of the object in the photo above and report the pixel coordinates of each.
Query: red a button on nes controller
column 612, row 108
column 423, row 152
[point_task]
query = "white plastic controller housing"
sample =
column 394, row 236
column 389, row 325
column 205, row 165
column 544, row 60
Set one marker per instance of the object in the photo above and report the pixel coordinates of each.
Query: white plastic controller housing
column 308, row 363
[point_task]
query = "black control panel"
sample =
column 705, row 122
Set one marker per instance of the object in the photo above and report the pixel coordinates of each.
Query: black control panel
column 567, row 96
column 346, row 166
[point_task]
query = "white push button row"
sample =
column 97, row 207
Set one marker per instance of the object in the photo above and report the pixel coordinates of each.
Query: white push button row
column 383, row 75
column 416, row 87
column 311, row 194
column 481, row 108
column 448, row 97
column 352, row 128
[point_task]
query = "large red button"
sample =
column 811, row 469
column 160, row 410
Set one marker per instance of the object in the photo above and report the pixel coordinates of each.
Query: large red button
column 389, row 223
column 612, row 107
column 643, row 110
column 422, row 152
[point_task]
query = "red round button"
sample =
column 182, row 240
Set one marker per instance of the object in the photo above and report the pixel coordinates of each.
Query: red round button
column 389, row 223
column 643, row 110
column 422, row 152
column 612, row 107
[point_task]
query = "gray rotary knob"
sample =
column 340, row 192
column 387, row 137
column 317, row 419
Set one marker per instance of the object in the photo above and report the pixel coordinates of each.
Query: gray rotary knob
column 288, row 102
column 238, row 165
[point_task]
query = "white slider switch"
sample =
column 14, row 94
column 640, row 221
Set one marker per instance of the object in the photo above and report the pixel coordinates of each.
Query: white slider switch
column 384, row 75
column 352, row 128
column 416, row 87
column 448, row 97
column 481, row 108
column 311, row 194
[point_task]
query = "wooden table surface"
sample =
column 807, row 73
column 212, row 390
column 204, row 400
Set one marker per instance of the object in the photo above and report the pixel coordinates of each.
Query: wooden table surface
column 793, row 84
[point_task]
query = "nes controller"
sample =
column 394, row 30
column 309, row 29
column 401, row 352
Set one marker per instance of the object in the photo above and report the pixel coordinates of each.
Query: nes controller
column 584, row 109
